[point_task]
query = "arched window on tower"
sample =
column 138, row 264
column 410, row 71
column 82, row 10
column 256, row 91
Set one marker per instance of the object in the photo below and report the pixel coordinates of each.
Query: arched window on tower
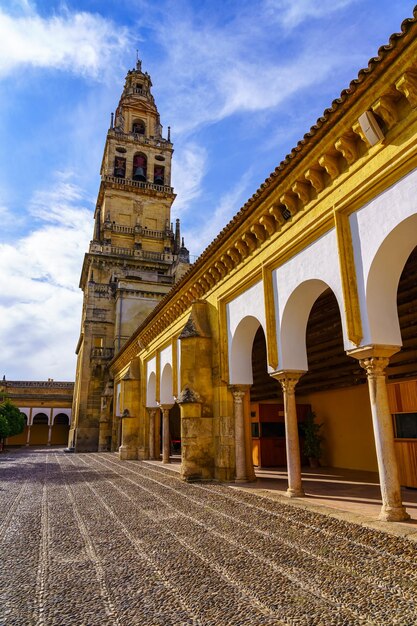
column 138, row 127
column 139, row 167
column 120, row 167
column 159, row 175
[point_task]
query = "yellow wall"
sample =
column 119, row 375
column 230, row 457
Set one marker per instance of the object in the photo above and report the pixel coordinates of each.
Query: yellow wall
column 346, row 414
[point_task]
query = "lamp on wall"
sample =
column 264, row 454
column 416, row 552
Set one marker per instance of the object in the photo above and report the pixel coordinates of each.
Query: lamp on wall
column 370, row 128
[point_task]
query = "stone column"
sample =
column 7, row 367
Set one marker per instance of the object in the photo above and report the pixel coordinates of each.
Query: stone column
column 288, row 380
column 197, row 449
column 28, row 435
column 239, row 392
column 50, row 427
column 151, row 412
column 374, row 360
column 166, row 441
column 129, row 444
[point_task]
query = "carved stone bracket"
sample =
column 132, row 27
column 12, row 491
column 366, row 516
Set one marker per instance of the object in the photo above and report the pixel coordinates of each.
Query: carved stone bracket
column 330, row 164
column 407, row 85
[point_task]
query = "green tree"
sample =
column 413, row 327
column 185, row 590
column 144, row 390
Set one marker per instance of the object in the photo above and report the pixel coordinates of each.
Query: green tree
column 4, row 427
column 14, row 418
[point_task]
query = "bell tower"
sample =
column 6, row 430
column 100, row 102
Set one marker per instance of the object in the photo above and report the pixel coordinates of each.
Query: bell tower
column 134, row 257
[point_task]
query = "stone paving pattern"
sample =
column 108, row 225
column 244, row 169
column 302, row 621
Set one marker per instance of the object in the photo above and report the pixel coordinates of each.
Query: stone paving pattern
column 88, row 540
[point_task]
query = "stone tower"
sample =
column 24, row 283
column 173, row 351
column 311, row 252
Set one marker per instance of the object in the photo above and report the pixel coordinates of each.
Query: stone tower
column 134, row 257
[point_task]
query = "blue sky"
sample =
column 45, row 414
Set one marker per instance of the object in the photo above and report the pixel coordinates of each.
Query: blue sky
column 238, row 81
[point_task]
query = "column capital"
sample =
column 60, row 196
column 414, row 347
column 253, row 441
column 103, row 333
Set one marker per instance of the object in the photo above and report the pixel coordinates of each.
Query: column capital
column 166, row 407
column 288, row 379
column 373, row 351
column 152, row 410
column 239, row 391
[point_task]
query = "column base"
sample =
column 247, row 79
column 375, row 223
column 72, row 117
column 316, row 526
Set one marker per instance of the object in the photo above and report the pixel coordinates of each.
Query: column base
column 393, row 514
column 295, row 493
column 165, row 462
column 128, row 453
column 241, row 480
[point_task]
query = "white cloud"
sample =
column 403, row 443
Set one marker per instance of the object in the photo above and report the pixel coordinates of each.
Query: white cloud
column 188, row 170
column 198, row 237
column 40, row 307
column 82, row 43
column 211, row 72
column 291, row 13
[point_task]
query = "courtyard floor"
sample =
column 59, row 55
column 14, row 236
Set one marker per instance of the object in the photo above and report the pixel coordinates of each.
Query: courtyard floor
column 88, row 540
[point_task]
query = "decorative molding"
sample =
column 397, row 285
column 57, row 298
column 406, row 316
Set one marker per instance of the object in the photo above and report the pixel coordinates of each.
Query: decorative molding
column 407, row 85
column 347, row 146
column 271, row 327
column 315, row 177
column 386, row 108
column 348, row 276
column 302, row 190
column 330, row 164
column 174, row 349
column 290, row 201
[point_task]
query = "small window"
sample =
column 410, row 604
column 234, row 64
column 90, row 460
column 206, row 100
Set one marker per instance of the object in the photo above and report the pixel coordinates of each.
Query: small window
column 120, row 167
column 405, row 425
column 138, row 127
column 139, row 167
column 159, row 175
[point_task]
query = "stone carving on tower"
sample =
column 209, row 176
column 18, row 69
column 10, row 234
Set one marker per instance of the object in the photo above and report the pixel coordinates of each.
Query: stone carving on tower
column 135, row 255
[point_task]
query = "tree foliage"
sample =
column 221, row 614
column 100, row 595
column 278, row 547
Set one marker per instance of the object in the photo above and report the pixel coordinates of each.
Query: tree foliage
column 10, row 415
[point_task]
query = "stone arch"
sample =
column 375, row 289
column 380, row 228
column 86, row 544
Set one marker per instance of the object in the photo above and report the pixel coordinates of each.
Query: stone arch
column 240, row 366
column 40, row 418
column 166, row 385
column 383, row 279
column 293, row 352
column 151, row 390
column 61, row 419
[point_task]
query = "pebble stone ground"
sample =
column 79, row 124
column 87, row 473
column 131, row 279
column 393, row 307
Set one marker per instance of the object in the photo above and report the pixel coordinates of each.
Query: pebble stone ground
column 88, row 540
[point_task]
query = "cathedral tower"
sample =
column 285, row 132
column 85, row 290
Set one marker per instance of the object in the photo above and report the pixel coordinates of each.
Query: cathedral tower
column 134, row 257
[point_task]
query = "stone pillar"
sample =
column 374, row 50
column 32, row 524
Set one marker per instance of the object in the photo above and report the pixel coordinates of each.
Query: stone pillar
column 166, row 440
column 288, row 380
column 129, row 448
column 104, row 436
column 50, row 427
column 197, row 454
column 239, row 392
column 374, row 360
column 105, row 423
column 151, row 412
column 28, row 435
column 250, row 470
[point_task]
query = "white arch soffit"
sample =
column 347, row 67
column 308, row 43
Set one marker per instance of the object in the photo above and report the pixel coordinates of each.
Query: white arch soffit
column 151, row 390
column 382, row 283
column 166, row 385
column 66, row 412
column 240, row 366
column 62, row 413
column 294, row 324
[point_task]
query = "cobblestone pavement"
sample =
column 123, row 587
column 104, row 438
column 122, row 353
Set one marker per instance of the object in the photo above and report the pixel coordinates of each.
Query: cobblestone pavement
column 88, row 540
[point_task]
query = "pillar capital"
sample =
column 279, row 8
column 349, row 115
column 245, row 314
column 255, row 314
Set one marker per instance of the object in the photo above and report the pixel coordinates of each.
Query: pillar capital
column 288, row 379
column 239, row 392
column 166, row 407
column 378, row 351
column 152, row 410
